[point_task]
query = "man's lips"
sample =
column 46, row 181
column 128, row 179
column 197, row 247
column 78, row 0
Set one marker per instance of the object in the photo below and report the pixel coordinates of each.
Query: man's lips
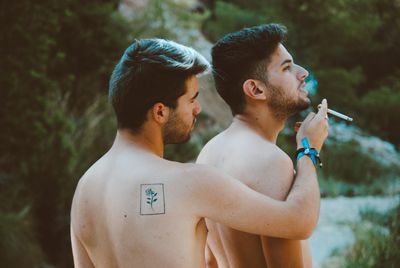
column 302, row 88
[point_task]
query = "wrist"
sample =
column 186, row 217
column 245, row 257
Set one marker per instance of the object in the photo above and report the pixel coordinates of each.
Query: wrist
column 309, row 152
column 304, row 161
column 300, row 144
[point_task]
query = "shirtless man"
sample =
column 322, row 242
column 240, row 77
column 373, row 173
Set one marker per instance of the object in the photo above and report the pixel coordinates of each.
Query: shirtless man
column 133, row 208
column 259, row 80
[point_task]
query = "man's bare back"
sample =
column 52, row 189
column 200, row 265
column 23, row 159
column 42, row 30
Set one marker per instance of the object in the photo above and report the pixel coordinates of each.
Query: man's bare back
column 112, row 216
column 265, row 168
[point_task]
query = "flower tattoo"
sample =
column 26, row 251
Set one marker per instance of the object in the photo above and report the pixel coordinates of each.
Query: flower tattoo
column 151, row 197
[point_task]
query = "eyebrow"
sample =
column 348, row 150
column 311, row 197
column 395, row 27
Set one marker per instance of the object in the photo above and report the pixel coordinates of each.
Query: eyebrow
column 195, row 96
column 286, row 61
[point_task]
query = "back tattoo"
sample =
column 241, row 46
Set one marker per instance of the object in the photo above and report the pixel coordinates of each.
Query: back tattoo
column 152, row 200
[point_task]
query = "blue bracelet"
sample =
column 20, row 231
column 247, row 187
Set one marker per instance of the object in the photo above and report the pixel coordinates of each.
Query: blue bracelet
column 310, row 152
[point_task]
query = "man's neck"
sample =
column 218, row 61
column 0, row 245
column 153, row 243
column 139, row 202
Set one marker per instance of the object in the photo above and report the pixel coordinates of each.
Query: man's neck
column 144, row 141
column 263, row 122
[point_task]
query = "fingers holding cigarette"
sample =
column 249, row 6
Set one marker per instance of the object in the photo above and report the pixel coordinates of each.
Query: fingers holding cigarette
column 337, row 114
column 324, row 111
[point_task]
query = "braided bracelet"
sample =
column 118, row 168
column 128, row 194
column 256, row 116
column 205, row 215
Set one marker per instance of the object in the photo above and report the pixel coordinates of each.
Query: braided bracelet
column 310, row 152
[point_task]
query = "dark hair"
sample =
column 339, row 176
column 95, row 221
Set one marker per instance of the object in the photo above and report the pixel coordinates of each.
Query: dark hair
column 242, row 55
column 151, row 71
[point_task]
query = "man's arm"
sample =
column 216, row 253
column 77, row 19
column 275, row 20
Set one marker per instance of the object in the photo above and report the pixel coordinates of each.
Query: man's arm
column 81, row 258
column 274, row 178
column 223, row 199
column 273, row 175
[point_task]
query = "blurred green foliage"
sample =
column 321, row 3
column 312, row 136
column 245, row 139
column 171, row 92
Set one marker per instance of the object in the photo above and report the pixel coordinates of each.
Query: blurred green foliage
column 17, row 237
column 56, row 60
column 377, row 240
column 348, row 163
column 381, row 109
column 233, row 18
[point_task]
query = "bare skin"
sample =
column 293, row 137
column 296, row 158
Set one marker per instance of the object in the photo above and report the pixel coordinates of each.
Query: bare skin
column 133, row 208
column 247, row 150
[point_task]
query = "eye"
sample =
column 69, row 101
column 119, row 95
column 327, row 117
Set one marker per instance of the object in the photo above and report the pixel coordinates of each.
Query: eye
column 287, row 68
column 192, row 100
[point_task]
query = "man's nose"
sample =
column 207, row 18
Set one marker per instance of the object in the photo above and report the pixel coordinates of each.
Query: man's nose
column 302, row 73
column 197, row 108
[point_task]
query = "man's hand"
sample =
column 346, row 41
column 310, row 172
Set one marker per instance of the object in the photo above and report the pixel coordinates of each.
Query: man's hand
column 314, row 127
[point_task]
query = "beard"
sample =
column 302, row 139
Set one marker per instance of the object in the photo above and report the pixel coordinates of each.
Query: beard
column 284, row 105
column 176, row 130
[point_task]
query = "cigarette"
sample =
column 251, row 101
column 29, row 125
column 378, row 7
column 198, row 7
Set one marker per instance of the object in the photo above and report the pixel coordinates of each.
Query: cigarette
column 340, row 115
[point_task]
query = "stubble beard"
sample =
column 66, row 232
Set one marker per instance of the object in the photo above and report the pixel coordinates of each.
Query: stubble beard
column 282, row 105
column 176, row 131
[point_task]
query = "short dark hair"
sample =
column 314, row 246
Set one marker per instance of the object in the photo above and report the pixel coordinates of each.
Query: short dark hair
column 242, row 55
column 151, row 71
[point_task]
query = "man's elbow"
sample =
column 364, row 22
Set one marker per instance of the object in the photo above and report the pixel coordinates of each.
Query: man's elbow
column 305, row 224
column 303, row 233
column 306, row 227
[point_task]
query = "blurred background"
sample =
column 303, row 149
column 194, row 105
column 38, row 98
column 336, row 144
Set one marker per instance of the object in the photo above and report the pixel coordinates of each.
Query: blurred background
column 56, row 58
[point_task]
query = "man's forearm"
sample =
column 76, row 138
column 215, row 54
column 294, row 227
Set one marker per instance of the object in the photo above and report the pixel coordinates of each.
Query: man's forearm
column 305, row 196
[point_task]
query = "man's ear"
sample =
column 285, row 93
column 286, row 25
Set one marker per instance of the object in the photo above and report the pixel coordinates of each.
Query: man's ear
column 160, row 112
column 254, row 89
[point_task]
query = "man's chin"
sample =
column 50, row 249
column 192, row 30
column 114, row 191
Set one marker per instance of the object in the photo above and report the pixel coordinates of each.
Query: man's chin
column 301, row 106
column 186, row 139
column 180, row 140
column 303, row 103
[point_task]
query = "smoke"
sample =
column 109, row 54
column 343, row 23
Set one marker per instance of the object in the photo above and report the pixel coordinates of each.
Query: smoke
column 311, row 85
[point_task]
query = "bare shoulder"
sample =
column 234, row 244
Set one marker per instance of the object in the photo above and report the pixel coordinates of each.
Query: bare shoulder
column 78, row 203
column 269, row 168
column 85, row 200
column 201, row 173
column 213, row 148
column 203, row 179
column 206, row 186
column 270, row 156
column 82, row 182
